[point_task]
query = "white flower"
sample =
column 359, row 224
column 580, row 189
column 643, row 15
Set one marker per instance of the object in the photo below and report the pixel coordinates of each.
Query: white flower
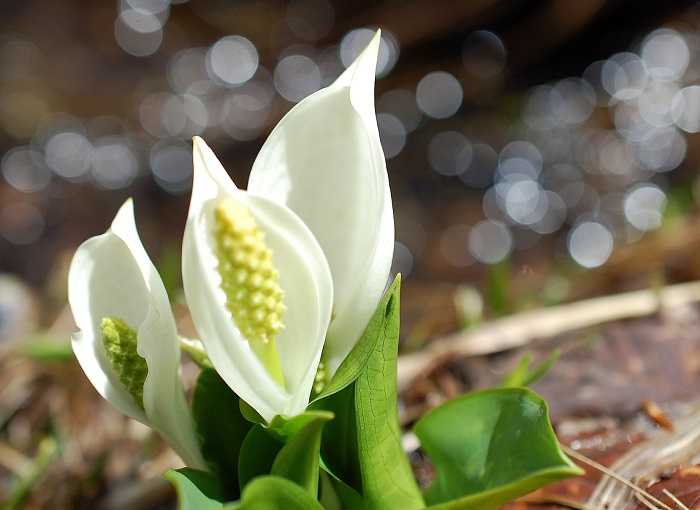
column 324, row 161
column 113, row 286
column 319, row 194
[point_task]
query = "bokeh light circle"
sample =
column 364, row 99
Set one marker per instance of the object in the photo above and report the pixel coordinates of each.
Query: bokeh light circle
column 69, row 155
column 25, row 170
column 490, row 241
column 296, row 77
column 115, row 165
column 590, row 244
column 232, row 60
column 644, row 207
column 666, row 54
column 686, row 109
column 439, row 95
column 138, row 32
column 484, row 53
column 171, row 164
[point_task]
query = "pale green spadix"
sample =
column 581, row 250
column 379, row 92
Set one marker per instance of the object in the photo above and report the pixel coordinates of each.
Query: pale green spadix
column 120, row 341
column 249, row 280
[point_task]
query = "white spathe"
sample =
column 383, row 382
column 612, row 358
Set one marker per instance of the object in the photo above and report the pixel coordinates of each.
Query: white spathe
column 319, row 191
column 112, row 276
column 324, row 161
column 304, row 277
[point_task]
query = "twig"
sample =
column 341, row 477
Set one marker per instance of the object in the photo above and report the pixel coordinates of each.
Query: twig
column 518, row 330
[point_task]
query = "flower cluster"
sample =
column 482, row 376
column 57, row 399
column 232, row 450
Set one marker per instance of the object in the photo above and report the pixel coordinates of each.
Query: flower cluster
column 277, row 278
column 296, row 403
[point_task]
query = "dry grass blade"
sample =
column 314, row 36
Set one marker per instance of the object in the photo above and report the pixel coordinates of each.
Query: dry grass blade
column 644, row 462
column 644, row 495
column 555, row 499
column 675, row 500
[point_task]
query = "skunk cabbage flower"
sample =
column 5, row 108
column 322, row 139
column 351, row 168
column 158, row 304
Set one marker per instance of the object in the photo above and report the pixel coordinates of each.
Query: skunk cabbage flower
column 258, row 288
column 299, row 260
column 128, row 344
column 324, row 161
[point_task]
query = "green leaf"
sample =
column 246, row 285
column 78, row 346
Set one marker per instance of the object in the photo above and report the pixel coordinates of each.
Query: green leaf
column 284, row 428
column 258, row 453
column 298, row 460
column 251, row 414
column 336, row 495
column 491, row 447
column 220, row 425
column 355, row 362
column 288, row 447
column 387, row 477
column 197, row 490
column 275, row 493
column 339, row 441
column 362, row 446
column 523, row 376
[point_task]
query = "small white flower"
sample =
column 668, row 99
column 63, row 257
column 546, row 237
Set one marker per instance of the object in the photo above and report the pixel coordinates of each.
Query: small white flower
column 318, row 212
column 113, row 286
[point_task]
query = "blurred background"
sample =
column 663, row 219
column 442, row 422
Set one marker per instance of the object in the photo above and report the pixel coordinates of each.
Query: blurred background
column 557, row 129
column 538, row 150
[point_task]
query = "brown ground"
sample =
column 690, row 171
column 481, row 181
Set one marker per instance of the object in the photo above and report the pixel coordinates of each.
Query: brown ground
column 62, row 446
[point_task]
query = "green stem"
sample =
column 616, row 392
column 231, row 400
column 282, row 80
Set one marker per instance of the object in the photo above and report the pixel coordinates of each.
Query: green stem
column 195, row 351
column 267, row 353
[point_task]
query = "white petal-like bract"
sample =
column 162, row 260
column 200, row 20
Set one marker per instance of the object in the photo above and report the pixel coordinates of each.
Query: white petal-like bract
column 324, row 161
column 112, row 276
column 304, row 278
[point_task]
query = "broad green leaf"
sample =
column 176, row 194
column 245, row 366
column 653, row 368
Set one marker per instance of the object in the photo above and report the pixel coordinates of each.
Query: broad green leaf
column 362, row 445
column 339, row 443
column 220, row 426
column 298, row 460
column 491, row 447
column 258, row 453
column 523, row 376
column 387, row 478
column 197, row 490
column 274, row 493
column 349, row 370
